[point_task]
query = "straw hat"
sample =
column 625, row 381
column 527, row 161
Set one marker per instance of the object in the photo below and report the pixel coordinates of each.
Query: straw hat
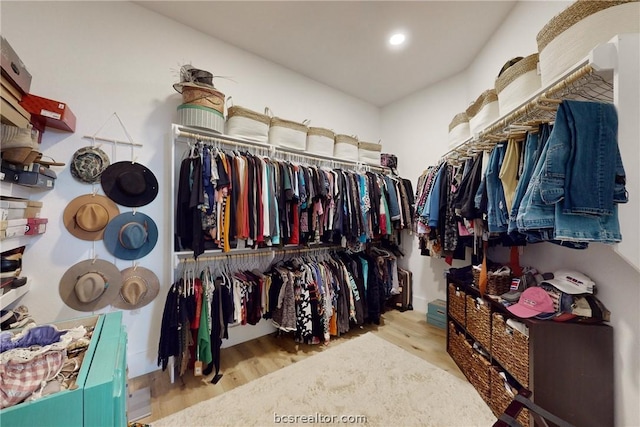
column 129, row 184
column 90, row 285
column 19, row 144
column 131, row 235
column 87, row 216
column 88, row 163
column 139, row 287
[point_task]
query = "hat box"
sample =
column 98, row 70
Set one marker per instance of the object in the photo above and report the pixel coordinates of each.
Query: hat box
column 245, row 123
column 34, row 207
column 200, row 117
column 570, row 35
column 516, row 84
column 483, row 111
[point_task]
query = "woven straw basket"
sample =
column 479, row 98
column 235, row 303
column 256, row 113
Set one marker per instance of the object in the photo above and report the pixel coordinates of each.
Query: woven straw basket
column 459, row 130
column 346, row 147
column 517, row 83
column 569, row 36
column 483, row 111
column 288, row 134
column 320, row 141
column 245, row 123
column 369, row 152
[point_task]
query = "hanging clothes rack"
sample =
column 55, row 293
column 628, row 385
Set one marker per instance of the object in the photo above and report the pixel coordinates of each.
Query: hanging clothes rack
column 585, row 82
column 194, row 134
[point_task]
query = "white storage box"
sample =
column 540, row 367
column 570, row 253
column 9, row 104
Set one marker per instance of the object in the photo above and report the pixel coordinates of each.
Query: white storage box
column 15, row 228
column 248, row 124
column 320, row 141
column 369, row 152
column 288, row 134
column 459, row 129
column 346, row 147
column 13, row 209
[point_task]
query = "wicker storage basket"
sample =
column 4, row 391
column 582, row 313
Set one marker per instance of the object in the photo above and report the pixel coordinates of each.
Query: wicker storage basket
column 288, row 134
column 517, row 83
column 483, row 111
column 498, row 282
column 479, row 321
column 346, row 147
column 477, row 371
column 245, row 123
column 457, row 304
column 457, row 349
column 320, row 141
column 499, row 399
column 369, row 152
column 510, row 348
column 459, row 130
column 569, row 36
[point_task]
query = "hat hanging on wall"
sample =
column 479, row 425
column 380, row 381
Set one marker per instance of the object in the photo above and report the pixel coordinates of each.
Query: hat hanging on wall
column 139, row 287
column 131, row 235
column 88, row 163
column 90, row 285
column 87, row 216
column 129, row 184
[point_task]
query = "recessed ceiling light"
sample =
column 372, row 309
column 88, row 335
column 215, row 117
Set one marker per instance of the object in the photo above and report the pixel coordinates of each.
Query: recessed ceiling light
column 397, row 39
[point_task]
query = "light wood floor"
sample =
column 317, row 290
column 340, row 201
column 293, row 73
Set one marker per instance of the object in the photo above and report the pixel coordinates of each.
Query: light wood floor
column 253, row 359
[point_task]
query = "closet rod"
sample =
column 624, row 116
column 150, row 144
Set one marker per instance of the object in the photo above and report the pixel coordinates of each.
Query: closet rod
column 535, row 104
column 255, row 252
column 197, row 134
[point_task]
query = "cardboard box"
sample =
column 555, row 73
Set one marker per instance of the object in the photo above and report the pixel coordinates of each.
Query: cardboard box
column 10, row 87
column 34, row 209
column 36, row 226
column 56, row 114
column 13, row 68
column 14, row 102
column 11, row 116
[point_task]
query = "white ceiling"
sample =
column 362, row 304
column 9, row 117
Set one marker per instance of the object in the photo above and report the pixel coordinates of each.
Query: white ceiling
column 343, row 44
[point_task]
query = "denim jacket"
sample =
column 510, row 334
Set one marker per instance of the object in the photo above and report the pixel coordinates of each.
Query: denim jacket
column 583, row 168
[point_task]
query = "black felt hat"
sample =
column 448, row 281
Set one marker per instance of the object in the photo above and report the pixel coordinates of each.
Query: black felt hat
column 129, row 184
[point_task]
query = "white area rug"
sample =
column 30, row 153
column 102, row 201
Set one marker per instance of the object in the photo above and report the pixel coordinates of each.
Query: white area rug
column 366, row 376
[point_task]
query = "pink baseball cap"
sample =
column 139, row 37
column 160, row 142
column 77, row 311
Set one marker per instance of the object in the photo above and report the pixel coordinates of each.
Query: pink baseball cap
column 532, row 302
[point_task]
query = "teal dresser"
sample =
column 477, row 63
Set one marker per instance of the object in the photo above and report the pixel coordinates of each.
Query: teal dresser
column 100, row 399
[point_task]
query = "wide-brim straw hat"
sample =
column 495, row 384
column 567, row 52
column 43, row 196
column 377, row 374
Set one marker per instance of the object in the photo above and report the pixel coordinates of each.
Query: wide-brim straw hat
column 86, row 217
column 90, row 285
column 571, row 35
column 139, row 287
column 129, row 184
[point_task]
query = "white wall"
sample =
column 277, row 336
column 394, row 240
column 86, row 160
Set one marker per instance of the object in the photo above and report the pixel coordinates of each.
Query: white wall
column 105, row 57
column 419, row 124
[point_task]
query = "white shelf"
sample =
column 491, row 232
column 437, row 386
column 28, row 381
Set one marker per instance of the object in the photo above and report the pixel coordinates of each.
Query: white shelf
column 12, row 295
